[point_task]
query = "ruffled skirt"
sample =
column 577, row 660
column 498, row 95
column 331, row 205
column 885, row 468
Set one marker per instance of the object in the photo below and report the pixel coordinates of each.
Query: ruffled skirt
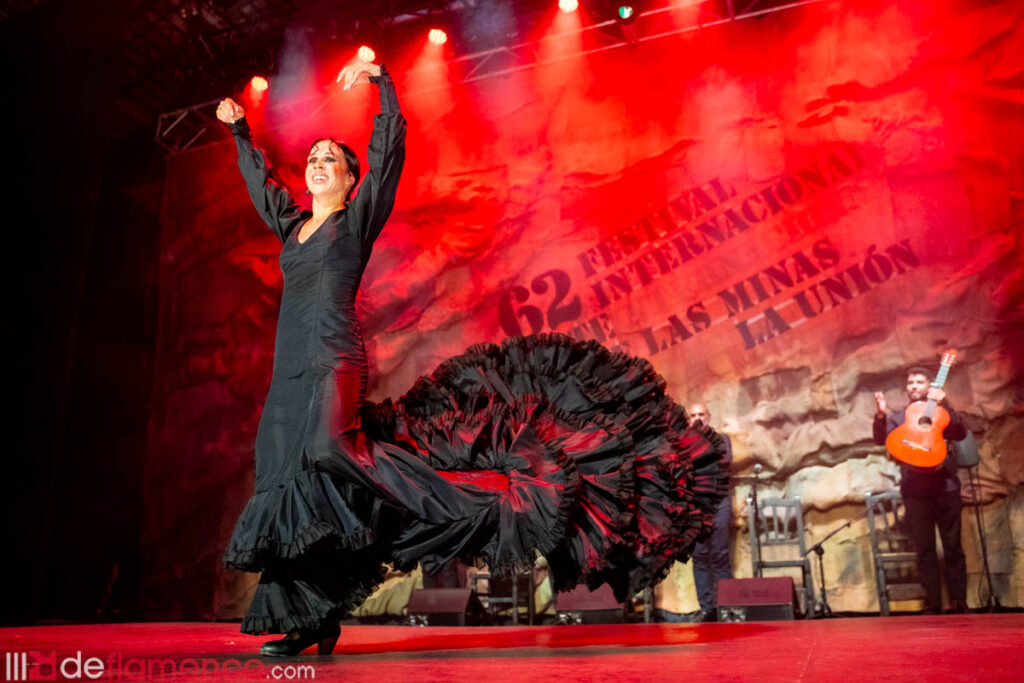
column 541, row 445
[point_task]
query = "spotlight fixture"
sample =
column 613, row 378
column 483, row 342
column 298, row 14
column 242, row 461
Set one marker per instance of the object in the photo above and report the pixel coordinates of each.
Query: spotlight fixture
column 626, row 13
column 568, row 5
column 367, row 54
column 437, row 36
column 259, row 83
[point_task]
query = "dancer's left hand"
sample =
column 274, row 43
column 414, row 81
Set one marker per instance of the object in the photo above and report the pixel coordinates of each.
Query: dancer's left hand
column 357, row 72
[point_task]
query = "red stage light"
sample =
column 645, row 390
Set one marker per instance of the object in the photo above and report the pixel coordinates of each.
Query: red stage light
column 568, row 5
column 367, row 54
column 259, row 84
column 438, row 37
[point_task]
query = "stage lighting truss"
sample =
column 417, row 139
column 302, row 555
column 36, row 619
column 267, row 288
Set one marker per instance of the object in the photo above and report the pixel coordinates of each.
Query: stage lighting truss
column 196, row 126
column 645, row 24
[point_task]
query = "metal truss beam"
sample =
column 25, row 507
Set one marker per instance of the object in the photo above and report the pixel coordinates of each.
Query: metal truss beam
column 194, row 127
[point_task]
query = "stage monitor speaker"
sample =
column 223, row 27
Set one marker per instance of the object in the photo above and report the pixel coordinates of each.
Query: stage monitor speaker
column 583, row 606
column 765, row 599
column 445, row 607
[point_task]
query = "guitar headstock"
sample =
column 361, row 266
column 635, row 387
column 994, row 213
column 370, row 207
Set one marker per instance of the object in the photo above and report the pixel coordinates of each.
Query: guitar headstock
column 949, row 357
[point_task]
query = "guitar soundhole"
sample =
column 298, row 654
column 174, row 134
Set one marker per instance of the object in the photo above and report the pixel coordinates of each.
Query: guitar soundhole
column 924, row 422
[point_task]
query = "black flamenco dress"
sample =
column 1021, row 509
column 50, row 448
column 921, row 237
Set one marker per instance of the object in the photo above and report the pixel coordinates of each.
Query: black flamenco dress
column 541, row 445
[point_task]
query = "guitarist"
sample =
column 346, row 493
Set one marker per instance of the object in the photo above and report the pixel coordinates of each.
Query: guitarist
column 932, row 499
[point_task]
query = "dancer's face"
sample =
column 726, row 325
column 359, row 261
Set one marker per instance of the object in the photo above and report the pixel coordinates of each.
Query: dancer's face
column 917, row 386
column 327, row 173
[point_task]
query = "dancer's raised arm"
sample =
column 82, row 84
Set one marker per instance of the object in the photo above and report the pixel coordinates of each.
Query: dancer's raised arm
column 274, row 204
column 386, row 154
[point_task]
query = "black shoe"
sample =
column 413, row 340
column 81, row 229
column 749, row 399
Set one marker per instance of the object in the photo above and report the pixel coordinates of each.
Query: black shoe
column 295, row 642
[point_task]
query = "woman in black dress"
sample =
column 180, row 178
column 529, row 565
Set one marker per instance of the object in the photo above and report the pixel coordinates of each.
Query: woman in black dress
column 541, row 445
column 319, row 377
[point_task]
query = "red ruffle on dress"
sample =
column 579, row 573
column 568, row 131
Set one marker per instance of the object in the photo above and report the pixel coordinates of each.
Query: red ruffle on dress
column 604, row 476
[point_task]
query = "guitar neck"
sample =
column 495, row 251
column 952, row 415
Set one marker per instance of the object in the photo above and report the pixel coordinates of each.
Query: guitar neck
column 940, row 378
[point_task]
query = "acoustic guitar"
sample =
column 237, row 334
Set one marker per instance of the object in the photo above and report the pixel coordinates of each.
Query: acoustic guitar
column 918, row 441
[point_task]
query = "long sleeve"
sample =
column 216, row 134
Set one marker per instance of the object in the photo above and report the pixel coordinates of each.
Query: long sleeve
column 728, row 449
column 273, row 202
column 386, row 156
column 880, row 429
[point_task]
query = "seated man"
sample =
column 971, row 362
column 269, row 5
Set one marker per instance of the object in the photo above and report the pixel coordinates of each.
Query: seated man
column 932, row 499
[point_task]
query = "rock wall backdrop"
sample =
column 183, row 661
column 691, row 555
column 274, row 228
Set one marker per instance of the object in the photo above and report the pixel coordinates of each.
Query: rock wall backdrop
column 781, row 214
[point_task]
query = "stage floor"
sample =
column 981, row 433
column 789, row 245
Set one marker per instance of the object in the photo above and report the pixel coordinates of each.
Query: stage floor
column 909, row 648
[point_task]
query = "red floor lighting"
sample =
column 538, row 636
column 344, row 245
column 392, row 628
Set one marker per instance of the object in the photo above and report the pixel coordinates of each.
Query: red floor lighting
column 909, row 648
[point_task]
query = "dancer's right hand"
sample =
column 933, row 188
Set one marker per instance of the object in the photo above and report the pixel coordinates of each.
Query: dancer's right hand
column 229, row 111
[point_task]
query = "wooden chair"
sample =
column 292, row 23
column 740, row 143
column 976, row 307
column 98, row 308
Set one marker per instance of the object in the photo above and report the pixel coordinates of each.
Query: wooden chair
column 895, row 560
column 780, row 525
column 515, row 592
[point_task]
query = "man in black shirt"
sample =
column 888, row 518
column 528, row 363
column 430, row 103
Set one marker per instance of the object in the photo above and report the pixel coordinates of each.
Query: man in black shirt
column 932, row 499
column 711, row 557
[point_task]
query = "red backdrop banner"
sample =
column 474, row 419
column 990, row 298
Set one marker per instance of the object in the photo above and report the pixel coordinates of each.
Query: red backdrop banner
column 780, row 214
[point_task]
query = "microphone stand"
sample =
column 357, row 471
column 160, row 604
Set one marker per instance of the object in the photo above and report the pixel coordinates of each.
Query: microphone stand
column 825, row 611
column 757, row 517
column 992, row 604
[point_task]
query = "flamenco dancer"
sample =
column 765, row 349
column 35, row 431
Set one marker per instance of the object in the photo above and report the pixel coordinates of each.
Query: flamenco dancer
column 542, row 445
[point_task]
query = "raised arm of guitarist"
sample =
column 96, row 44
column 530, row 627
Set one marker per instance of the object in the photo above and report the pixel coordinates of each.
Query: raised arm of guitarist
column 881, row 426
column 931, row 497
column 918, row 389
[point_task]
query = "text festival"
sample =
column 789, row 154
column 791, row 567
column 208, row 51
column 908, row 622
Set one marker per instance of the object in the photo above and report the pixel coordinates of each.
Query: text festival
column 692, row 225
